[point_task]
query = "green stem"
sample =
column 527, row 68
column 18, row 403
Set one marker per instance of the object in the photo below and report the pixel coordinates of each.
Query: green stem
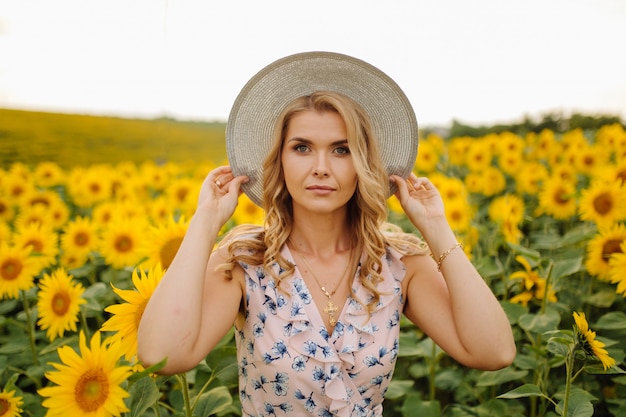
column 182, row 378
column 83, row 323
column 546, row 290
column 569, row 365
column 31, row 328
column 432, row 370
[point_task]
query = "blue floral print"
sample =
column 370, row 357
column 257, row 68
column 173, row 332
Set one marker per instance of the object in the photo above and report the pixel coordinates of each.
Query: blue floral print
column 290, row 363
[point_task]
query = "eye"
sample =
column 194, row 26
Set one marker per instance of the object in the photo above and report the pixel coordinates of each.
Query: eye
column 342, row 150
column 301, row 147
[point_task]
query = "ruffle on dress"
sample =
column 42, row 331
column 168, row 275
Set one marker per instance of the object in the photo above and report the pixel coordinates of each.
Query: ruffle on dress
column 335, row 353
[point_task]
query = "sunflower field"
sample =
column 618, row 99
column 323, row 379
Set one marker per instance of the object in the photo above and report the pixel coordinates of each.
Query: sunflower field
column 542, row 215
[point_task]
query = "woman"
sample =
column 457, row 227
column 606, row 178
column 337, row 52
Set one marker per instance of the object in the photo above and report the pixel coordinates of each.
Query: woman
column 316, row 294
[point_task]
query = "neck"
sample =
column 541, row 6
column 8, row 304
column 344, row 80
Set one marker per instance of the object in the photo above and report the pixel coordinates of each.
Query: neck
column 321, row 242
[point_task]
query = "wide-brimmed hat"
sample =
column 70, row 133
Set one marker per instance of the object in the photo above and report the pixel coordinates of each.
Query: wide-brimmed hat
column 260, row 102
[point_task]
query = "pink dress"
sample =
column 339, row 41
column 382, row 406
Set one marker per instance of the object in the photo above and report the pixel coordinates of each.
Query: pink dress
column 290, row 365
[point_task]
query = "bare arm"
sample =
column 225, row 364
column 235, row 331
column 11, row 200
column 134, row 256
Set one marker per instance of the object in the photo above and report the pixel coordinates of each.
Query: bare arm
column 194, row 306
column 455, row 307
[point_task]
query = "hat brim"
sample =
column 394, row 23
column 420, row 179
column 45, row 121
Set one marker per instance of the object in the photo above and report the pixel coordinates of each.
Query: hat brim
column 260, row 102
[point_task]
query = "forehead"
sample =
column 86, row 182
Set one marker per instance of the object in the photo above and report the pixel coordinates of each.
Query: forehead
column 316, row 123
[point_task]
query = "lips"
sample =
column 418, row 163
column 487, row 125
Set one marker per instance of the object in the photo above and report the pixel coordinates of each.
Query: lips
column 320, row 188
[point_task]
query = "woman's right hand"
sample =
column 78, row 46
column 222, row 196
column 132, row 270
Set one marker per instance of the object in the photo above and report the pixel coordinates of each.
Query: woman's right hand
column 220, row 193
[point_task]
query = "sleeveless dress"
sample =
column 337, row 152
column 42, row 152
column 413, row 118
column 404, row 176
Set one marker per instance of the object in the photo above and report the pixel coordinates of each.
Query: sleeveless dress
column 290, row 364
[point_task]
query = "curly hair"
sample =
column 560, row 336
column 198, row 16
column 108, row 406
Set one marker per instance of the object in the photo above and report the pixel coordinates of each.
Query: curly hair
column 367, row 210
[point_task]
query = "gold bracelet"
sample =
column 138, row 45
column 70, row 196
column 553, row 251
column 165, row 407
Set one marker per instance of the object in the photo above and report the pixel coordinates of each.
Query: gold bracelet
column 446, row 253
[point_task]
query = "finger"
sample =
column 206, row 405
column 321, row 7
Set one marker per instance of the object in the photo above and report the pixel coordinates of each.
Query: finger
column 403, row 187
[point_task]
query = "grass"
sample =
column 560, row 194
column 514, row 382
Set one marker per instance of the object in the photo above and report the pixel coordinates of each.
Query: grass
column 80, row 140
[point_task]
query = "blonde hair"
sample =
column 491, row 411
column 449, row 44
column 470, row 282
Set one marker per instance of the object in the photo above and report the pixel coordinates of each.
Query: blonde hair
column 367, row 210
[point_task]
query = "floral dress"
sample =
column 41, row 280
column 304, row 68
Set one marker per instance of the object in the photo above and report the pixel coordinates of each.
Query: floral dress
column 290, row 364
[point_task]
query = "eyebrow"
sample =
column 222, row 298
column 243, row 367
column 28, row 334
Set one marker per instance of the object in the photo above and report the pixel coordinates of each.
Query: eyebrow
column 309, row 141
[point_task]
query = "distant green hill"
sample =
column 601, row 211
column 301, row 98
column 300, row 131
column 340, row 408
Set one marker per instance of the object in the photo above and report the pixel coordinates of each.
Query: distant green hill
column 71, row 140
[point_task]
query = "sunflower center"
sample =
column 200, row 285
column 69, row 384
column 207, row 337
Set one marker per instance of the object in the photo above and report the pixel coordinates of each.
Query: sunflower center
column 603, row 203
column 123, row 244
column 610, row 247
column 168, row 251
column 36, row 244
column 4, row 406
column 81, row 239
column 560, row 196
column 92, row 390
column 60, row 303
column 10, row 269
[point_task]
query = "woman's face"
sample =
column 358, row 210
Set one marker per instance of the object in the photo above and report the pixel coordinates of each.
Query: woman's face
column 317, row 164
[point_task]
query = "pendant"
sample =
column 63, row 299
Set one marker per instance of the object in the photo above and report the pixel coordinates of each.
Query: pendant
column 331, row 309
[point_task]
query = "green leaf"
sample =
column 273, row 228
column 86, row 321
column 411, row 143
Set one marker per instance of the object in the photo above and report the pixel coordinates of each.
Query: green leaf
column 603, row 298
column 540, row 323
column 492, row 378
column 598, row 369
column 144, row 393
column 413, row 406
column 526, row 390
column 487, row 267
column 513, row 311
column 578, row 406
column 147, row 371
column 565, row 267
column 615, row 320
column 213, row 402
column 399, row 388
column 530, row 254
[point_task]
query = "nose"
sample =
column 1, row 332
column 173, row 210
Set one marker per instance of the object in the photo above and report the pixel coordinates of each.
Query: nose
column 321, row 168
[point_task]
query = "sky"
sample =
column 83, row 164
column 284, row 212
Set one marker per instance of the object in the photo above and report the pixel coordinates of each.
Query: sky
column 478, row 62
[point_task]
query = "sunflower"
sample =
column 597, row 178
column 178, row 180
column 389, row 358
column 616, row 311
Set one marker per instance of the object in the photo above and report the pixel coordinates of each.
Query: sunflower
column 42, row 241
column 603, row 203
column 17, row 270
column 247, row 212
column 494, row 181
column 478, row 156
column 508, row 207
column 159, row 210
column 164, row 242
column 617, row 269
column 530, row 177
column 600, row 249
column 511, row 162
column 79, row 237
column 10, row 405
column 457, row 150
column 474, row 182
column 87, row 384
column 590, row 158
column 120, row 243
column 459, row 215
column 182, row 194
column 58, row 304
column 586, row 341
column 34, row 214
column 48, row 174
column 557, row 198
column 7, row 208
column 542, row 144
column 88, row 187
column 566, row 172
column 534, row 286
column 126, row 316
column 427, row 157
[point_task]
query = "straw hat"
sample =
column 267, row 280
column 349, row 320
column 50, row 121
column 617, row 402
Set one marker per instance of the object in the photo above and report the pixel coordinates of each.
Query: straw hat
column 263, row 98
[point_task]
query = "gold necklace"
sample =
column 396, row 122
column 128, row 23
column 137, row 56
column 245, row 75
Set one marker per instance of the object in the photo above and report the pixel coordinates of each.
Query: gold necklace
column 330, row 308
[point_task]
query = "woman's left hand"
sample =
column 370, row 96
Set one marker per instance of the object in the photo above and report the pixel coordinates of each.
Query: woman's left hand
column 419, row 198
